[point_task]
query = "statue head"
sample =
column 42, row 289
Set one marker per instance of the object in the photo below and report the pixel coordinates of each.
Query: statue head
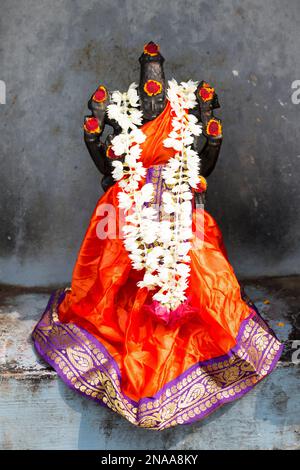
column 152, row 86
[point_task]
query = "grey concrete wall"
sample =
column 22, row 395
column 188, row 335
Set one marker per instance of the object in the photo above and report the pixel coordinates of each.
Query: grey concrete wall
column 54, row 54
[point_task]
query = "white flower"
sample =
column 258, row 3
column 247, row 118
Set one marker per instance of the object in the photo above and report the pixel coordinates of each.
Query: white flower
column 125, row 121
column 169, row 175
column 148, row 281
column 132, row 186
column 176, row 144
column 157, row 251
column 131, row 244
column 136, row 118
column 154, row 257
column 194, row 182
column 148, row 231
column 134, row 152
column 149, row 213
column 186, row 208
column 133, row 96
column 125, row 200
column 113, row 110
column 181, row 187
column 160, row 247
column 168, row 200
column 174, row 164
column 117, row 173
column 192, row 162
column 183, row 269
column 122, row 184
column 183, row 248
column 119, row 144
column 131, row 231
column 162, row 298
column 130, row 160
column 188, row 140
column 192, row 118
column 173, row 89
column 165, row 231
column 169, row 259
column 138, row 136
column 195, row 129
column 164, row 274
column 146, row 192
column 140, row 170
column 185, row 234
column 116, row 98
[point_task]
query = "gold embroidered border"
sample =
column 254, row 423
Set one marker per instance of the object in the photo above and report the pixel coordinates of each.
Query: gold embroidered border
column 84, row 364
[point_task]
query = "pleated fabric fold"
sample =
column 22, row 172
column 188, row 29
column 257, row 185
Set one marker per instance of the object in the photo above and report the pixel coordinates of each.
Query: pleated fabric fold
column 103, row 342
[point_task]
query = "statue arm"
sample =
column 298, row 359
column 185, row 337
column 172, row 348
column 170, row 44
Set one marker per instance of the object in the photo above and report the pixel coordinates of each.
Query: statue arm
column 96, row 149
column 209, row 155
column 94, row 126
column 212, row 128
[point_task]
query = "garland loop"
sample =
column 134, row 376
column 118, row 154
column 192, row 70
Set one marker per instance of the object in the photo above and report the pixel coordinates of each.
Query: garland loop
column 160, row 247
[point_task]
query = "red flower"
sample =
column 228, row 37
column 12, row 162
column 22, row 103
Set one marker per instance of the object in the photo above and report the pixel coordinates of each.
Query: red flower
column 151, row 48
column 206, row 92
column 110, row 153
column 91, row 125
column 202, row 185
column 152, row 87
column 100, row 95
column 213, row 127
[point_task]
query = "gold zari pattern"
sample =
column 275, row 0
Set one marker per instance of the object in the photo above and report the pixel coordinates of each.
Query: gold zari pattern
column 83, row 363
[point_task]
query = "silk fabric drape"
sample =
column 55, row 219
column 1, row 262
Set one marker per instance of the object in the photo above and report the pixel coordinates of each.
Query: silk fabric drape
column 105, row 301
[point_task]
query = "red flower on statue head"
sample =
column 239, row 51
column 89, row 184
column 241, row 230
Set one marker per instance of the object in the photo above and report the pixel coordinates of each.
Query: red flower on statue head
column 110, row 153
column 214, row 128
column 206, row 92
column 100, row 95
column 91, row 125
column 152, row 87
column 151, row 48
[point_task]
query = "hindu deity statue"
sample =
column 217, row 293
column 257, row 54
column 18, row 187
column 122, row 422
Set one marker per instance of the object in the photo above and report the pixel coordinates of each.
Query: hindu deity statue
column 155, row 325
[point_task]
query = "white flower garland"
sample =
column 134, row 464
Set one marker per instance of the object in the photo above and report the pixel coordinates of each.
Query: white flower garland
column 166, row 263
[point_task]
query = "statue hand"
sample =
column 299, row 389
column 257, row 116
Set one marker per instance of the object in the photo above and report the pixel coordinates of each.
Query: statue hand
column 208, row 101
column 206, row 97
column 109, row 150
column 98, row 104
column 92, row 128
column 212, row 127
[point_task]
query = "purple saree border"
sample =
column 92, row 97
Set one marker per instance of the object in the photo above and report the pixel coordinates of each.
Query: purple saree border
column 47, row 359
column 143, row 403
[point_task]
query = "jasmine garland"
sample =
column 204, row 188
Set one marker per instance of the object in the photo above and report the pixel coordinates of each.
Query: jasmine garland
column 160, row 247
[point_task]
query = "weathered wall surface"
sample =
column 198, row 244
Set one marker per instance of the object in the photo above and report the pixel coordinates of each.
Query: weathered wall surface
column 54, row 54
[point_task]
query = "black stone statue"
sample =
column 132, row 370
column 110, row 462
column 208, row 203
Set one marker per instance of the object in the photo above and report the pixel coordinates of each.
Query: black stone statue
column 152, row 106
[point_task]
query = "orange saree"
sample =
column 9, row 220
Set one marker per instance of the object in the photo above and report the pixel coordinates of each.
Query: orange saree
column 104, row 343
